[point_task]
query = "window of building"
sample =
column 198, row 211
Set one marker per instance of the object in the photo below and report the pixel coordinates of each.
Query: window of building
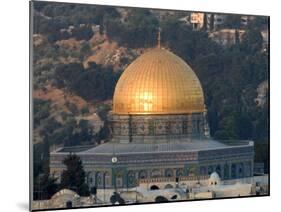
column 151, row 127
column 119, row 180
column 131, row 178
column 233, row 170
column 226, row 171
column 169, row 173
column 184, row 127
column 107, row 179
column 198, row 126
column 99, row 180
column 168, row 127
column 142, row 174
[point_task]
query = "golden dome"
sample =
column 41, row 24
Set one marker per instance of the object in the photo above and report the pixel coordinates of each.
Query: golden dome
column 158, row 82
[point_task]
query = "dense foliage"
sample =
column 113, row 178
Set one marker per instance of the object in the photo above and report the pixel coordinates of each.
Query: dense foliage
column 41, row 110
column 74, row 176
column 51, row 18
column 44, row 184
column 94, row 83
column 139, row 30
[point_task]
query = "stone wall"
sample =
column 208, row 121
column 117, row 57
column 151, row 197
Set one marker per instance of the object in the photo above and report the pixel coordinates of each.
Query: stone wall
column 129, row 176
column 148, row 128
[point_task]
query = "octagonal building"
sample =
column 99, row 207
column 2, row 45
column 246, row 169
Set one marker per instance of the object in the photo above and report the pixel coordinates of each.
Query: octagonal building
column 159, row 131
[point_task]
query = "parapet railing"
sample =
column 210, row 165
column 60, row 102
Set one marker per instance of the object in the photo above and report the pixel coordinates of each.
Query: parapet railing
column 173, row 179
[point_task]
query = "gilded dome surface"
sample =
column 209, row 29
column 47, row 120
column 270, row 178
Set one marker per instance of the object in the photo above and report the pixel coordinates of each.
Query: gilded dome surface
column 158, row 82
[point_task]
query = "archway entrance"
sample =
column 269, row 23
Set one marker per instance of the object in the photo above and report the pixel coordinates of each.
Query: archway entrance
column 69, row 204
column 161, row 199
column 154, row 187
column 168, row 186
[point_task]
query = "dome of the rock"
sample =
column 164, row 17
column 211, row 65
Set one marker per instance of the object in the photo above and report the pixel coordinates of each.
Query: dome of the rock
column 158, row 82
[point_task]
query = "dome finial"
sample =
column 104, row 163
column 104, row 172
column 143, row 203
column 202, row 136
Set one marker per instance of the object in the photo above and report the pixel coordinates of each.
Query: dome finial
column 159, row 38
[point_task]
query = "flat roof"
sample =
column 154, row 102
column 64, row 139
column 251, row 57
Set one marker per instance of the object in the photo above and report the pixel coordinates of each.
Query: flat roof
column 157, row 147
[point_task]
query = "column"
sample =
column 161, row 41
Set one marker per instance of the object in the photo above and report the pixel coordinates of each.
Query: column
column 252, row 168
column 229, row 171
column 222, row 171
column 243, row 169
column 237, row 170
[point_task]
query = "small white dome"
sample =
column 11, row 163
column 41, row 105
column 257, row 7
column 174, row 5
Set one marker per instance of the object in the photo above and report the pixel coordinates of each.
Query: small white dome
column 214, row 175
column 214, row 179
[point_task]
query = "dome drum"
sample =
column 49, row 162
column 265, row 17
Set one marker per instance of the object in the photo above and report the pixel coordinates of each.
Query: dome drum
column 158, row 97
column 157, row 128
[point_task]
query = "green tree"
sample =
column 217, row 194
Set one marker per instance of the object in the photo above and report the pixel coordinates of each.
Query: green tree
column 252, row 41
column 221, row 135
column 94, row 83
column 244, row 126
column 103, row 132
column 74, row 175
column 140, row 30
column 41, row 111
column 84, row 110
column 261, row 22
column 45, row 187
column 233, row 21
column 82, row 33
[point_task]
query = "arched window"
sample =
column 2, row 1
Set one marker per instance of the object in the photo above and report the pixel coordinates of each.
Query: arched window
column 88, row 177
column 107, row 179
column 131, row 178
column 151, row 127
column 226, row 171
column 134, row 128
column 119, row 180
column 154, row 187
column 184, row 127
column 161, row 199
column 210, row 170
column 168, row 127
column 218, row 170
column 169, row 173
column 241, row 170
column 247, row 169
column 68, row 204
column 117, row 128
column 168, row 186
column 198, row 126
column 91, row 179
column 179, row 172
column 142, row 174
column 233, row 171
column 203, row 170
column 99, row 180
